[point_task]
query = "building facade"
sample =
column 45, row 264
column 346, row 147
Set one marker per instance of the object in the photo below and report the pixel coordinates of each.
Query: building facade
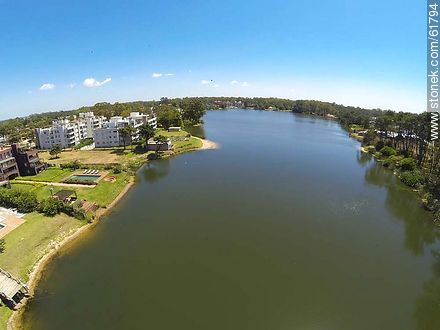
column 68, row 133
column 28, row 162
column 8, row 165
column 109, row 136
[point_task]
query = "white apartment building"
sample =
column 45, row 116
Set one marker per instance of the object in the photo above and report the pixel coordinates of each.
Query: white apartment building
column 108, row 136
column 67, row 133
column 91, row 121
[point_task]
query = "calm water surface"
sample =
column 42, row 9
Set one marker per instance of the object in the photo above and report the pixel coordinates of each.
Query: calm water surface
column 287, row 226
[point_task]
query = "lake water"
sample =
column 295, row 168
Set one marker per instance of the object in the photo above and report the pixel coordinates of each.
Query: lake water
column 286, row 226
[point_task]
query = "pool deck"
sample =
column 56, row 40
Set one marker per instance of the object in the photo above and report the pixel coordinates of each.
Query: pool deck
column 10, row 221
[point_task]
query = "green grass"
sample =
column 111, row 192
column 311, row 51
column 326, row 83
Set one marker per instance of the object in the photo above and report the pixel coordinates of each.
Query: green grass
column 182, row 146
column 28, row 243
column 103, row 194
column 52, row 174
column 161, row 131
column 5, row 314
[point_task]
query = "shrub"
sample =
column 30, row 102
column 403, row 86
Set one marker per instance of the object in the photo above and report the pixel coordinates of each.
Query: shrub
column 50, row 207
column 407, row 164
column 117, row 169
column 23, row 201
column 73, row 165
column 388, row 151
column 412, row 178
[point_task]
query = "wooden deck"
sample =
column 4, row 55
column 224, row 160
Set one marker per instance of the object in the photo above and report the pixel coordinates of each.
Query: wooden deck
column 10, row 287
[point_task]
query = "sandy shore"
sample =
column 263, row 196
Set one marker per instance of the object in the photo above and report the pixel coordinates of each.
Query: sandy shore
column 207, row 144
column 37, row 271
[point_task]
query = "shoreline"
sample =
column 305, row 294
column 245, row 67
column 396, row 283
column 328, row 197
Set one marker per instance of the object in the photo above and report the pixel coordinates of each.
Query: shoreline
column 38, row 269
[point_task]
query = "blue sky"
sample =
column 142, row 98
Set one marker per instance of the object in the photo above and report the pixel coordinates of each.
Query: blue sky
column 57, row 55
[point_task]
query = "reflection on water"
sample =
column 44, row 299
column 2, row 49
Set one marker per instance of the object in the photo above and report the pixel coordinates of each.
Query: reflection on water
column 155, row 170
column 420, row 236
column 284, row 227
column 198, row 131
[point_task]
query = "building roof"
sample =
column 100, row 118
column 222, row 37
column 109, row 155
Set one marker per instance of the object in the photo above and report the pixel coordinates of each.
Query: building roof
column 64, row 194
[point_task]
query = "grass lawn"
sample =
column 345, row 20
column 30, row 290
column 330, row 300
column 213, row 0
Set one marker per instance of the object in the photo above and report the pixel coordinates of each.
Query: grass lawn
column 182, row 146
column 92, row 157
column 28, row 243
column 103, row 194
column 52, row 174
column 161, row 131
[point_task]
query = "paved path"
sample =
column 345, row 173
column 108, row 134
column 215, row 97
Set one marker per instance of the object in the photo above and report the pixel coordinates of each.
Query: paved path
column 59, row 184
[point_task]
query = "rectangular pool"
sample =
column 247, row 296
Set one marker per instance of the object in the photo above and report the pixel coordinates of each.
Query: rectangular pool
column 84, row 177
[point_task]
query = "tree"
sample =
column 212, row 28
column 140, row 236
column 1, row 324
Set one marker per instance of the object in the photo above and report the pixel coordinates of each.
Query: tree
column 193, row 110
column 160, row 140
column 55, row 150
column 126, row 133
column 146, row 132
column 168, row 115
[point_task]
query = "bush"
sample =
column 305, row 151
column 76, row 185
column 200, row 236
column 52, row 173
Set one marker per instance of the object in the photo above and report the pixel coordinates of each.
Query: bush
column 388, row 151
column 50, row 207
column 23, row 201
column 73, row 165
column 117, row 169
column 407, row 164
column 412, row 178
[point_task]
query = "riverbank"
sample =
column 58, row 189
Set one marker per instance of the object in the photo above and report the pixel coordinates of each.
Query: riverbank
column 37, row 272
column 54, row 248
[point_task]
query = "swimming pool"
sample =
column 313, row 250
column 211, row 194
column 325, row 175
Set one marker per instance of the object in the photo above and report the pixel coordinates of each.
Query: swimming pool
column 84, row 177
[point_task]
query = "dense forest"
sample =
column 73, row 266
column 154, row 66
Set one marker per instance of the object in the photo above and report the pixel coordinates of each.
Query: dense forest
column 397, row 139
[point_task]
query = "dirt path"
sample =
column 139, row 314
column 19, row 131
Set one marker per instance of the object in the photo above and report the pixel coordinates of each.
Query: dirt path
column 59, row 184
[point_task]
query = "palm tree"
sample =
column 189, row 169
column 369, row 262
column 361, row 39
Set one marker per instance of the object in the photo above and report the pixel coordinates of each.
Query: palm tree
column 146, row 132
column 126, row 133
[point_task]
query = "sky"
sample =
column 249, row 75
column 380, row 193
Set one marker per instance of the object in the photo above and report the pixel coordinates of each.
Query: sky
column 60, row 55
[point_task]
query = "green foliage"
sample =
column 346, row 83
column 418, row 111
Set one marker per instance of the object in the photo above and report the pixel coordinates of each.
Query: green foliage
column 84, row 143
column 408, row 164
column 370, row 137
column 146, row 132
column 23, row 201
column 388, row 151
column 73, row 165
column 55, row 150
column 50, row 207
column 192, row 110
column 168, row 116
column 412, row 178
column 117, row 169
column 126, row 133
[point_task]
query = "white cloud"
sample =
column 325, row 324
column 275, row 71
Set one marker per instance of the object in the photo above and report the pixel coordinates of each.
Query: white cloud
column 72, row 85
column 216, row 85
column 205, row 82
column 158, row 75
column 92, row 82
column 245, row 84
column 234, row 82
column 47, row 86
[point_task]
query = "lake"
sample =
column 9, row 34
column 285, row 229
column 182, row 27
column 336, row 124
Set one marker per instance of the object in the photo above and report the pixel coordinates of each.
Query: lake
column 286, row 226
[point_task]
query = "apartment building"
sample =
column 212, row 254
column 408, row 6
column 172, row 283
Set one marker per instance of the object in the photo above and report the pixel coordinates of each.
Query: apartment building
column 109, row 136
column 68, row 133
column 28, row 162
column 8, row 165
